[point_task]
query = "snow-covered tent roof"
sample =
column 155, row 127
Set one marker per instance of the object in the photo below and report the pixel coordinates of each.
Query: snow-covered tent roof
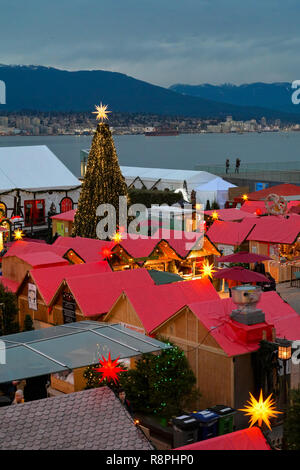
column 34, row 168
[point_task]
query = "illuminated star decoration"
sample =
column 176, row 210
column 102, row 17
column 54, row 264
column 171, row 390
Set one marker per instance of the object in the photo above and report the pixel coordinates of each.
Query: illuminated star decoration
column 101, row 112
column 117, row 237
column 109, row 369
column 245, row 197
column 106, row 253
column 215, row 215
column 207, row 269
column 260, row 410
column 18, row 234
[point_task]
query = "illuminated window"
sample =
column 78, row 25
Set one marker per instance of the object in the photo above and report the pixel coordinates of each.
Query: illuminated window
column 73, row 258
column 3, row 210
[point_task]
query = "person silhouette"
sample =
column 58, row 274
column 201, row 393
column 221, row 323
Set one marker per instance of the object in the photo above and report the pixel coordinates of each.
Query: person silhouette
column 227, row 165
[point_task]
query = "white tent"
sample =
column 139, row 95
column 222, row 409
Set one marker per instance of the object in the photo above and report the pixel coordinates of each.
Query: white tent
column 179, row 180
column 214, row 190
column 35, row 168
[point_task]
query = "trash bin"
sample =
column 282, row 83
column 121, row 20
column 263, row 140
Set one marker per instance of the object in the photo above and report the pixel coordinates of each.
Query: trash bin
column 226, row 414
column 185, row 430
column 208, row 424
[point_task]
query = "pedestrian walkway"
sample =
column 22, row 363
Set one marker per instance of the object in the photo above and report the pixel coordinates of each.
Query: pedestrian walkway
column 290, row 294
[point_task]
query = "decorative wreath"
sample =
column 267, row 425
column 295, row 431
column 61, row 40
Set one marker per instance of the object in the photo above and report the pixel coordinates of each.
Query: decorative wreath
column 275, row 205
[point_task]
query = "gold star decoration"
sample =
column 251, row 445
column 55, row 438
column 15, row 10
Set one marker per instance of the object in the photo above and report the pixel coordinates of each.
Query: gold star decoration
column 18, row 234
column 101, row 112
column 207, row 269
column 260, row 410
column 117, row 237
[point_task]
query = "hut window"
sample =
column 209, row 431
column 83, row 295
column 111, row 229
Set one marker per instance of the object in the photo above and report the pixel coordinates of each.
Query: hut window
column 3, row 210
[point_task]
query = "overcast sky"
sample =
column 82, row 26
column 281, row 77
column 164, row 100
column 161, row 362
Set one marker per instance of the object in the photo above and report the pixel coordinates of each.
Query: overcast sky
column 159, row 41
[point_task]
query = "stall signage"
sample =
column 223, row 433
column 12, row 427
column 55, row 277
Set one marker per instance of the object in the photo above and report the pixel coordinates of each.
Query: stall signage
column 69, row 308
column 32, row 300
column 132, row 327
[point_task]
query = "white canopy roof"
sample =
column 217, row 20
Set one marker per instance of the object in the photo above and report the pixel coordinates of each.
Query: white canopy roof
column 216, row 184
column 154, row 174
column 33, row 168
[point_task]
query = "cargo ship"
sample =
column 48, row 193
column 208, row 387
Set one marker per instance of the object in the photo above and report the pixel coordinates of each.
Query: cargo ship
column 161, row 132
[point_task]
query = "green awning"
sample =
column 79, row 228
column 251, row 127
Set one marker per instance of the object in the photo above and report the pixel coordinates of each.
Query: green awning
column 164, row 277
column 70, row 346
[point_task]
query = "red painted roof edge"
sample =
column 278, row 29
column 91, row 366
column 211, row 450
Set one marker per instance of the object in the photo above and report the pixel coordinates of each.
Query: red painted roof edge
column 250, row 438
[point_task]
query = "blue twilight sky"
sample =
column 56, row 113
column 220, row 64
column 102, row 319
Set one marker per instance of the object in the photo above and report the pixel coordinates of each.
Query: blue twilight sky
column 159, row 41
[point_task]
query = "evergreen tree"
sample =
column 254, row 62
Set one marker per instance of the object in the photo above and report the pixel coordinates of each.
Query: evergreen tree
column 207, row 207
column 92, row 378
column 103, row 183
column 28, row 323
column 163, row 385
column 8, row 312
column 291, row 427
column 215, row 205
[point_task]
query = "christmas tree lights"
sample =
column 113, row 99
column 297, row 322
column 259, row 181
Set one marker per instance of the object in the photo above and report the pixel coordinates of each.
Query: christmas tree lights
column 103, row 182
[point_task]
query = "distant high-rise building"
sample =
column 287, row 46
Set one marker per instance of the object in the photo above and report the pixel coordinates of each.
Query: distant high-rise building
column 263, row 121
column 4, row 121
column 35, row 121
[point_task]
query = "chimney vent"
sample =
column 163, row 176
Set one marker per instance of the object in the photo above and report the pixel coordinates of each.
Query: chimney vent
column 246, row 297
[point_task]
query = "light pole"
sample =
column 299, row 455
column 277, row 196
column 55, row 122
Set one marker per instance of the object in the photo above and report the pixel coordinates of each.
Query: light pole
column 284, row 353
column 2, row 321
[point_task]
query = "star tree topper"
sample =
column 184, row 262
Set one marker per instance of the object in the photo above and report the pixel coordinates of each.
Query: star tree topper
column 101, row 112
column 109, row 369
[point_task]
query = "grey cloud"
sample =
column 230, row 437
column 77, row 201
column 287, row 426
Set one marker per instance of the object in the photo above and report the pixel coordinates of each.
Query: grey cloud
column 161, row 41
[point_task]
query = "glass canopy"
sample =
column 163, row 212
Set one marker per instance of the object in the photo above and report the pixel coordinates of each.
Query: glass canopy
column 70, row 346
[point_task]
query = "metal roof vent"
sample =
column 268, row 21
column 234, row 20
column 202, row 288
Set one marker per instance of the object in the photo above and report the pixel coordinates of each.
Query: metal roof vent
column 246, row 297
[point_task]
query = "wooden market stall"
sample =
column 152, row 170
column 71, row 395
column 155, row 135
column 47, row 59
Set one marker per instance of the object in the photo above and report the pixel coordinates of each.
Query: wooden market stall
column 219, row 349
column 62, row 224
column 278, row 237
column 179, row 252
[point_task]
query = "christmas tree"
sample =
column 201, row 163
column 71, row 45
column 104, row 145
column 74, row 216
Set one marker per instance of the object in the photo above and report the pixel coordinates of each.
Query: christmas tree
column 93, row 378
column 28, row 323
column 163, row 385
column 103, row 182
column 8, row 312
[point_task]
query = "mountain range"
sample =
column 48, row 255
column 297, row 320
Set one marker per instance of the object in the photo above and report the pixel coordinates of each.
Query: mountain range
column 39, row 88
column 276, row 96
